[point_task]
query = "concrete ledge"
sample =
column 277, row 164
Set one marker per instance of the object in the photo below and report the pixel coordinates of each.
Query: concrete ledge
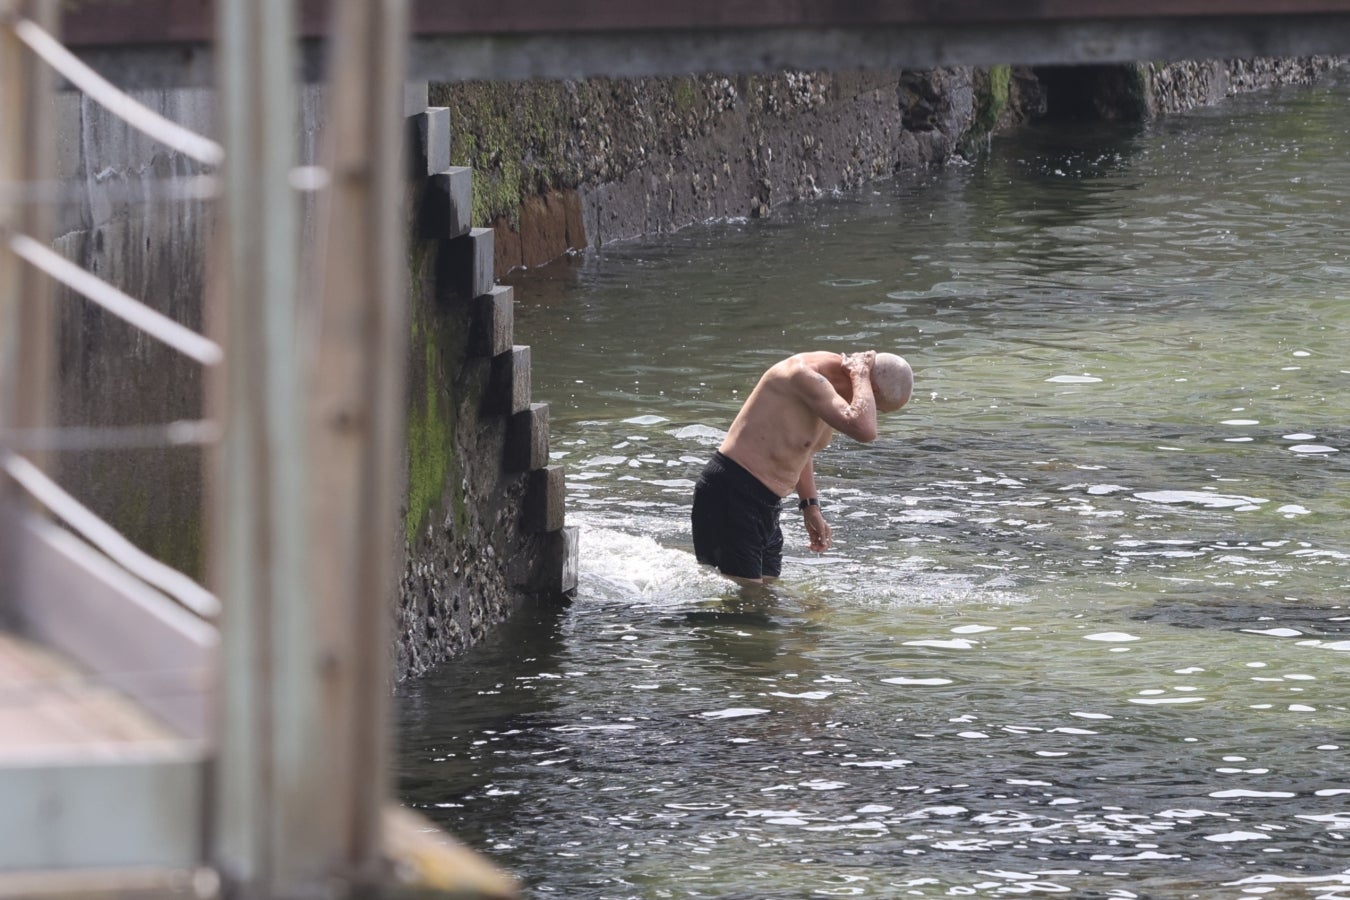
column 508, row 389
column 527, row 439
column 447, row 204
column 545, row 499
column 493, row 326
column 464, row 265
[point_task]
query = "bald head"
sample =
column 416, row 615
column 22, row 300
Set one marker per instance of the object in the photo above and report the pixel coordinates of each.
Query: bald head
column 892, row 382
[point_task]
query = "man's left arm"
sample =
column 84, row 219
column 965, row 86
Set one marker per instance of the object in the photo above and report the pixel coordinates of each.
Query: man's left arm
column 817, row 529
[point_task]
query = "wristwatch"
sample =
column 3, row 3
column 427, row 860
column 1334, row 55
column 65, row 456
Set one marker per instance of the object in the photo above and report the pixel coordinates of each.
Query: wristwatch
column 808, row 501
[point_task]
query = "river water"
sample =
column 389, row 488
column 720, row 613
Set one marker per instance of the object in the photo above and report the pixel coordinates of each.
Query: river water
column 1084, row 629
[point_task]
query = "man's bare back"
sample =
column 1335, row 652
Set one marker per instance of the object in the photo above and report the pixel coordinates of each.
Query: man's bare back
column 795, row 409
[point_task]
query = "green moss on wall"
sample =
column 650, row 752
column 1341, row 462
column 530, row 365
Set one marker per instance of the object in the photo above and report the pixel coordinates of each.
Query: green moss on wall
column 514, row 136
column 684, row 93
column 430, row 438
column 994, row 98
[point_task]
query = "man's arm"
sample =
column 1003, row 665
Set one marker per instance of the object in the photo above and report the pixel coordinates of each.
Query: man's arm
column 817, row 529
column 856, row 418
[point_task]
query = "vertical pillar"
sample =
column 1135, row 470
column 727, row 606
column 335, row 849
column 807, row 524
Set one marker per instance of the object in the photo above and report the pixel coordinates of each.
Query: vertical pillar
column 271, row 784
column 26, row 161
column 357, row 424
column 27, row 323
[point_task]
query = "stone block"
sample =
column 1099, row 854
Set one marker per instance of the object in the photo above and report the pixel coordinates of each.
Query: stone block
column 508, row 389
column 428, row 142
column 564, row 556
column 414, row 97
column 464, row 265
column 545, row 499
column 447, row 204
column 493, row 328
column 552, row 573
column 527, row 439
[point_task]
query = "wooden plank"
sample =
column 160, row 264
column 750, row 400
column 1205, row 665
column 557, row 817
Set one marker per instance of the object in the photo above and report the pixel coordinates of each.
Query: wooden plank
column 49, row 705
column 357, row 423
column 140, row 807
column 269, row 778
column 125, row 634
column 138, row 883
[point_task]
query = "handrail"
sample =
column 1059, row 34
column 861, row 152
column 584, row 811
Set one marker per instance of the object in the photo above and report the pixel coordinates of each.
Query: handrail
column 107, row 539
column 102, row 91
column 173, row 188
column 182, row 433
column 125, row 307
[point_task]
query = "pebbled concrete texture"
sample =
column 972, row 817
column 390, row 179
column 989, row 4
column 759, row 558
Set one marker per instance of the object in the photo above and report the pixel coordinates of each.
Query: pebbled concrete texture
column 562, row 166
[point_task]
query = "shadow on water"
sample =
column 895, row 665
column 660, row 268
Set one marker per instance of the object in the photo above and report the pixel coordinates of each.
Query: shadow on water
column 1277, row 617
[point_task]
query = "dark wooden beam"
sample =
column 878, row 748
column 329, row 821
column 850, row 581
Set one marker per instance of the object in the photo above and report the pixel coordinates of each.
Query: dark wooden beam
column 164, row 43
column 90, row 23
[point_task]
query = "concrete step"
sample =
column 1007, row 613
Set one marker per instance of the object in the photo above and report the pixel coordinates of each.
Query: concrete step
column 527, row 439
column 428, row 140
column 447, row 204
column 493, row 329
column 545, row 500
column 508, row 388
column 464, row 265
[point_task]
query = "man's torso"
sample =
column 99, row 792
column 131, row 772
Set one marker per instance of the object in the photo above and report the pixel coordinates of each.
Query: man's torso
column 776, row 432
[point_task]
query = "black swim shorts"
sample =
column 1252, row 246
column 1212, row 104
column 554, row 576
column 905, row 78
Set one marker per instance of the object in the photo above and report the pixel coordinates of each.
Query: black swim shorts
column 735, row 521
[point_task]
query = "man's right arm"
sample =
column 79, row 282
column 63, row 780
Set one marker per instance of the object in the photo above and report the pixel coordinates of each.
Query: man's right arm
column 856, row 418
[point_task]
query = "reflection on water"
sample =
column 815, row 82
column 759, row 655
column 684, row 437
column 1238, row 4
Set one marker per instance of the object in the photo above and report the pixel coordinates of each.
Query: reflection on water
column 1085, row 625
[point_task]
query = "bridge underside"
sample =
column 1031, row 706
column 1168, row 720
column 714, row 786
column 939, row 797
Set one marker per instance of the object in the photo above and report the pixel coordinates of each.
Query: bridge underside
column 158, row 42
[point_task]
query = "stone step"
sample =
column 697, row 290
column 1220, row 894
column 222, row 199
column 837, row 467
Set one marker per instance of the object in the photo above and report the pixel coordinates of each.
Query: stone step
column 527, row 439
column 428, row 139
column 464, row 265
column 493, row 329
column 447, row 204
column 545, row 500
column 415, row 95
column 508, row 387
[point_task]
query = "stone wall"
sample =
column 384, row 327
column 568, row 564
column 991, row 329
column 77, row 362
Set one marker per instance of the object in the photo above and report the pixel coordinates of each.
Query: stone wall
column 560, row 166
column 483, row 518
column 483, row 509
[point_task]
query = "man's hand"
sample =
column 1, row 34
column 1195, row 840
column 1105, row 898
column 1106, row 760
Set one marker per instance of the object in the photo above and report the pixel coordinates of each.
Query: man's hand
column 817, row 529
column 860, row 364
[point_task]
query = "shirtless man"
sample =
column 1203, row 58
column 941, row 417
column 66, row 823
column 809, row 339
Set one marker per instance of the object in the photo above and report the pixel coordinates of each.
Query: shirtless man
column 770, row 450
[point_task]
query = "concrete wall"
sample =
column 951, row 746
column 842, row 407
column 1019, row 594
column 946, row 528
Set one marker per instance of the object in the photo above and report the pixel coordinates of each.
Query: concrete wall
column 483, row 513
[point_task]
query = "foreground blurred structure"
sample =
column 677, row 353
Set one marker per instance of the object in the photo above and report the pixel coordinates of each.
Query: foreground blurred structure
column 162, row 737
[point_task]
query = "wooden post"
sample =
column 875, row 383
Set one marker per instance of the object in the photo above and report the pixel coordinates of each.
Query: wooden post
column 358, row 414
column 272, row 790
column 26, row 318
column 26, row 161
